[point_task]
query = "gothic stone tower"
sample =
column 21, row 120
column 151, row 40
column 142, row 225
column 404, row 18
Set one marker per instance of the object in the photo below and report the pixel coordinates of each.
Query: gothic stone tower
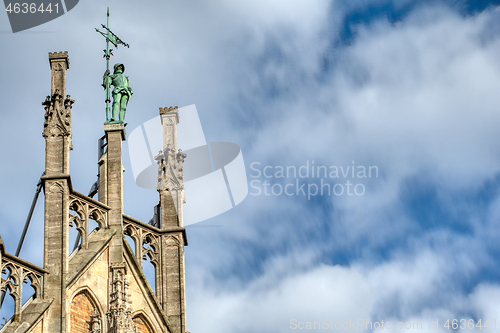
column 101, row 287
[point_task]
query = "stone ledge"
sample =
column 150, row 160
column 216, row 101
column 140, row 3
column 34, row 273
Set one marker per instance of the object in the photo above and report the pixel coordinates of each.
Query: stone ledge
column 57, row 176
column 164, row 231
column 25, row 263
column 112, row 127
column 91, row 200
column 31, row 313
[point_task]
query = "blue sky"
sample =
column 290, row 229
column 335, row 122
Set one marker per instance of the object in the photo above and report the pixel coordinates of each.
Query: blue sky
column 408, row 86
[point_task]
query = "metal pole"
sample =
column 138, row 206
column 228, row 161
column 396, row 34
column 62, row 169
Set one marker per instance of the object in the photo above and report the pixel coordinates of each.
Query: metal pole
column 108, row 99
column 26, row 226
column 76, row 242
column 30, row 214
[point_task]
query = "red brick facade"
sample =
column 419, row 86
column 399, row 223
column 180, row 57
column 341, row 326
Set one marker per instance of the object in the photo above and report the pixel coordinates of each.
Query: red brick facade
column 141, row 325
column 80, row 311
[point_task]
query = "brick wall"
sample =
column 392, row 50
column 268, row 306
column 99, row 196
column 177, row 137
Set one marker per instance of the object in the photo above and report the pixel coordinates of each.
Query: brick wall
column 80, row 311
column 141, row 325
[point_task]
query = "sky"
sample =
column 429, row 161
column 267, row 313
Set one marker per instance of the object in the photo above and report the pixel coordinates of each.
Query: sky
column 409, row 88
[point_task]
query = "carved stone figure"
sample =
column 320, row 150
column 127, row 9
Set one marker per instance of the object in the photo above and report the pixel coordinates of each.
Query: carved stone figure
column 121, row 93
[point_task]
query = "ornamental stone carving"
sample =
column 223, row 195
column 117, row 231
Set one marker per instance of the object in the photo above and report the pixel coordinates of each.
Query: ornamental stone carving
column 120, row 306
column 170, row 169
column 57, row 116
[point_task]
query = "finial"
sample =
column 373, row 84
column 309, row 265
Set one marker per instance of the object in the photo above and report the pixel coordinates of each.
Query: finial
column 53, row 56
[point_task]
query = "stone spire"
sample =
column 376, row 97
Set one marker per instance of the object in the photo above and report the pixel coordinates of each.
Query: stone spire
column 173, row 235
column 57, row 125
column 57, row 134
column 170, row 166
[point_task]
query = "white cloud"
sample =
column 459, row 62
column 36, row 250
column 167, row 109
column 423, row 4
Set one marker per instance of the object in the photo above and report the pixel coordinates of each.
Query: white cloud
column 485, row 300
column 331, row 293
column 418, row 100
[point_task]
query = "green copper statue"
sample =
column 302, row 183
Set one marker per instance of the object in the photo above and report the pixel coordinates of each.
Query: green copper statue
column 121, row 93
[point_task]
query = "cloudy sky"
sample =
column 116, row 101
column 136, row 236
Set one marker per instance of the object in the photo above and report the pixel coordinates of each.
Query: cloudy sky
column 409, row 87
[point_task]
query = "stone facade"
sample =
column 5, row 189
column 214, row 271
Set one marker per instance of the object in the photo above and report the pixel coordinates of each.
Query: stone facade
column 101, row 287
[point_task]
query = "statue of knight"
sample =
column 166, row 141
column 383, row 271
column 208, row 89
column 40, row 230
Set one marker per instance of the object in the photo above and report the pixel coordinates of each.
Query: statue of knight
column 121, row 93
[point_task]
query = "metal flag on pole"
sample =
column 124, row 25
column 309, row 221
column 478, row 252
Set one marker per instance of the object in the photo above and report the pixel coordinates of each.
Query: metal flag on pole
column 115, row 40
